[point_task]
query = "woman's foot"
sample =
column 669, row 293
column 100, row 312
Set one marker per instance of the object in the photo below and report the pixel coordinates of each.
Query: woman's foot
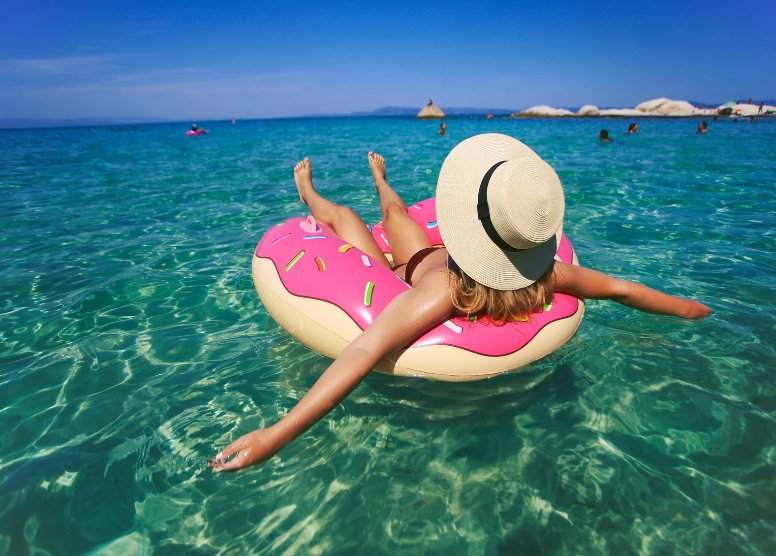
column 377, row 165
column 303, row 176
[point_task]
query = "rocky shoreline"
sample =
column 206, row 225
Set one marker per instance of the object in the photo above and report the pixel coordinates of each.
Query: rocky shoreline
column 657, row 108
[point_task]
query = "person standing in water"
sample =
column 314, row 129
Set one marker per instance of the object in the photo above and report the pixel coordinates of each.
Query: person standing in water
column 633, row 128
column 442, row 129
column 702, row 127
column 497, row 263
column 603, row 135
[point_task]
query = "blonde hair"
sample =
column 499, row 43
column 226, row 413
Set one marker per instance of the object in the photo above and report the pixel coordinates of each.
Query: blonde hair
column 471, row 299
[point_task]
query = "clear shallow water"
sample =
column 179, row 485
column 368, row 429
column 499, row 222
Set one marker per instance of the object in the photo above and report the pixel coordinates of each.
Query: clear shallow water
column 133, row 347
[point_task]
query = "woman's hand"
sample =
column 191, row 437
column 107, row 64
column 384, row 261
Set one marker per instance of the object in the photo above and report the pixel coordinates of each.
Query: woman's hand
column 694, row 310
column 254, row 447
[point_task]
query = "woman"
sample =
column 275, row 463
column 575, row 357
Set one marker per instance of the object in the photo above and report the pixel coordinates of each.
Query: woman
column 500, row 212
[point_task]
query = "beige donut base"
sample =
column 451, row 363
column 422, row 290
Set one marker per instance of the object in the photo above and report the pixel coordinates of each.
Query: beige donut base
column 327, row 329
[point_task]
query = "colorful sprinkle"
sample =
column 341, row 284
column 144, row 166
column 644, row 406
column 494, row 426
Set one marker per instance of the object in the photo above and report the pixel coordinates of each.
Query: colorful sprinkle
column 472, row 318
column 432, row 224
column 452, row 326
column 314, row 237
column 548, row 307
column 344, row 248
column 365, row 260
column 385, row 240
column 320, row 263
column 274, row 242
column 403, row 281
column 370, row 286
column 293, row 261
column 281, row 223
column 368, row 227
column 417, row 206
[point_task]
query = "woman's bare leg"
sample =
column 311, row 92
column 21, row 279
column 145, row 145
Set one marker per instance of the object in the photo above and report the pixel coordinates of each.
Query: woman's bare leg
column 347, row 225
column 404, row 234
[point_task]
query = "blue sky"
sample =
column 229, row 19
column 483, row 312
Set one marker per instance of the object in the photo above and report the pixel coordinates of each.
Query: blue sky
column 206, row 60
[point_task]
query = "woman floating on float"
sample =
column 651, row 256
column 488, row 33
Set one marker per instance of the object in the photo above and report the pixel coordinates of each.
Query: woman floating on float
column 499, row 211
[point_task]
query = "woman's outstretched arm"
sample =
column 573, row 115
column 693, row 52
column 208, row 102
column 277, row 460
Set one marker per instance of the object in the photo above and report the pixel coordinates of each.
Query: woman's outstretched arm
column 586, row 283
column 402, row 321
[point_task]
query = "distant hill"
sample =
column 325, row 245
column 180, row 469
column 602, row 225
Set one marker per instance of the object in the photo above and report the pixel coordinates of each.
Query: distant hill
column 21, row 123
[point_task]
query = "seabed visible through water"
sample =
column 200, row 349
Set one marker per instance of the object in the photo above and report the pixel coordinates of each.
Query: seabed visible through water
column 133, row 347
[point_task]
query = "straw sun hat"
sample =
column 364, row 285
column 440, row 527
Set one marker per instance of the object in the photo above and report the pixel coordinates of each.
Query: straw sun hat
column 500, row 211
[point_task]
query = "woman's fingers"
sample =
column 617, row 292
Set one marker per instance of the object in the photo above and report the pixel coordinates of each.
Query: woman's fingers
column 221, row 461
column 254, row 447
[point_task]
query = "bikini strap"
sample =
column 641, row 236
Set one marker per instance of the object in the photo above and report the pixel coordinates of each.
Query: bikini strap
column 415, row 260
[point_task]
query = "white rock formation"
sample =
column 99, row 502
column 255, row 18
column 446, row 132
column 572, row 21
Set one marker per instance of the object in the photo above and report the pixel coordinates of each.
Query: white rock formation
column 588, row 110
column 676, row 108
column 666, row 107
column 651, row 105
column 749, row 109
column 544, row 110
column 431, row 112
column 657, row 107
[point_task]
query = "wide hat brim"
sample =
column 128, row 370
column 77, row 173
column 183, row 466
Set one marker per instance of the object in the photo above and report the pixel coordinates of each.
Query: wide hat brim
column 466, row 240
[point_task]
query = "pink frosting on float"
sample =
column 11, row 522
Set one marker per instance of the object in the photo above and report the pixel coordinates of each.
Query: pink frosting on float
column 299, row 256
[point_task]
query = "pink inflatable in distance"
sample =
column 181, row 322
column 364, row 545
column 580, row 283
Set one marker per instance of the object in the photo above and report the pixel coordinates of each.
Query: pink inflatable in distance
column 324, row 292
column 203, row 132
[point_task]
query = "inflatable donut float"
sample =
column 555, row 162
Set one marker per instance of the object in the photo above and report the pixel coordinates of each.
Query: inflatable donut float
column 325, row 292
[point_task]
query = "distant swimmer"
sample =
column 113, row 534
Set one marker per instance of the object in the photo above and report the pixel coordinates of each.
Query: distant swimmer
column 489, row 117
column 702, row 127
column 195, row 128
column 604, row 135
column 752, row 119
column 633, row 128
column 233, row 121
column 269, row 123
column 442, row 129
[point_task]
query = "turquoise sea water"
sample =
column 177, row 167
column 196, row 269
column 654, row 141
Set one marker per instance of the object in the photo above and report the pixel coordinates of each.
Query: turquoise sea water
column 133, row 347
